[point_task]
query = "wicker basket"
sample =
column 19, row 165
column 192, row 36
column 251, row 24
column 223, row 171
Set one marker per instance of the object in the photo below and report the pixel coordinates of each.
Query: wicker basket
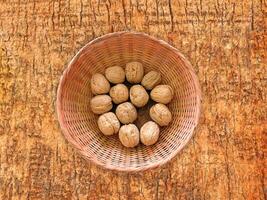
column 79, row 124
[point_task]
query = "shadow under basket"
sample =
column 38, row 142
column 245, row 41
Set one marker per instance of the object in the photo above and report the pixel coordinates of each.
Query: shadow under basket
column 79, row 124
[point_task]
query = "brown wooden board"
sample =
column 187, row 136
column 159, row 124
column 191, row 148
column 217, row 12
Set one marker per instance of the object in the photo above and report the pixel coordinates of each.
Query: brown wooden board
column 226, row 43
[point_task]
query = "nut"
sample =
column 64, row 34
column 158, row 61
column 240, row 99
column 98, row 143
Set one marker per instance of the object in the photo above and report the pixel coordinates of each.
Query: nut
column 149, row 133
column 101, row 104
column 119, row 93
column 162, row 94
column 138, row 96
column 99, row 84
column 134, row 72
column 151, row 79
column 115, row 74
column 108, row 123
column 161, row 114
column 126, row 113
column 129, row 135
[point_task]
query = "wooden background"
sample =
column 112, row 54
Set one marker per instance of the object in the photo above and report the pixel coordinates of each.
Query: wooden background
column 226, row 42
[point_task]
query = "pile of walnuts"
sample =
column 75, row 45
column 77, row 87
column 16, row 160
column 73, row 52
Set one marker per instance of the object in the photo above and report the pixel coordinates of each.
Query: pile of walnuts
column 125, row 112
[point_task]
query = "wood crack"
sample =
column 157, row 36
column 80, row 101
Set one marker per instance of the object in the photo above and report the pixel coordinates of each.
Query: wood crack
column 171, row 14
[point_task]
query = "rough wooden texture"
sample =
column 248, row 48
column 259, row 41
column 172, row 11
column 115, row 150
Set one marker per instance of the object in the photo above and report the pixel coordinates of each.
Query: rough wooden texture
column 225, row 41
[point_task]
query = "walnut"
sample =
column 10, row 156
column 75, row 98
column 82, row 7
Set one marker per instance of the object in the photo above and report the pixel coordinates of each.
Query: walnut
column 101, row 104
column 115, row 74
column 138, row 96
column 126, row 113
column 151, row 79
column 162, row 94
column 134, row 72
column 119, row 93
column 129, row 135
column 99, row 84
column 149, row 133
column 161, row 114
column 108, row 123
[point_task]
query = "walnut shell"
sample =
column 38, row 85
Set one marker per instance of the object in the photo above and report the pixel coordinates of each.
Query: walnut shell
column 101, row 104
column 149, row 133
column 134, row 72
column 162, row 94
column 129, row 135
column 108, row 123
column 115, row 74
column 161, row 114
column 151, row 79
column 119, row 93
column 99, row 84
column 126, row 113
column 138, row 96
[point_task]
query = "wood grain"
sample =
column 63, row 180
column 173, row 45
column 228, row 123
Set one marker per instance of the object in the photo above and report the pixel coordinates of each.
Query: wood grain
column 226, row 42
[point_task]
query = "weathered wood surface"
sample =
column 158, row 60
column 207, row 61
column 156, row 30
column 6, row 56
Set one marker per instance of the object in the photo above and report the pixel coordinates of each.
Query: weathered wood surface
column 225, row 41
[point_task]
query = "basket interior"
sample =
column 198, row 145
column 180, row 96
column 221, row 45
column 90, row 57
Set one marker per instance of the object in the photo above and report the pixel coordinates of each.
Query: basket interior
column 79, row 124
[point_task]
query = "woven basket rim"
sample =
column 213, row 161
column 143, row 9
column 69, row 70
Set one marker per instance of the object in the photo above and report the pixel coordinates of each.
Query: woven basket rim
column 95, row 160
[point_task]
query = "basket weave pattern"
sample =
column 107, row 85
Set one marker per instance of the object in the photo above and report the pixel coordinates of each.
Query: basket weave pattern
column 79, row 124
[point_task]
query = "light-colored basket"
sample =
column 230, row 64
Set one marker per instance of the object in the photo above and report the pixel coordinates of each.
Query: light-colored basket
column 79, row 124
